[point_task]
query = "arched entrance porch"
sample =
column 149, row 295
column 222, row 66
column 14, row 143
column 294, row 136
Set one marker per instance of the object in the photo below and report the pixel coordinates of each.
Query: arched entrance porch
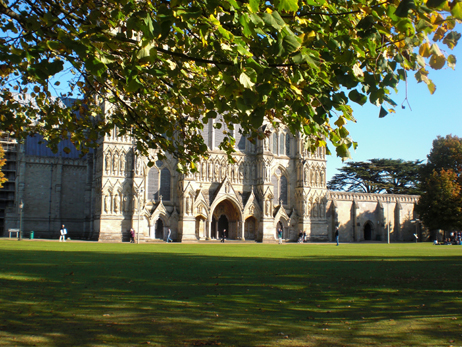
column 226, row 215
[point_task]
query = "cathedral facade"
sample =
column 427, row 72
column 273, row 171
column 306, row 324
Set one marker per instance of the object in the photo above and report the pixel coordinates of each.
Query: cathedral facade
column 271, row 184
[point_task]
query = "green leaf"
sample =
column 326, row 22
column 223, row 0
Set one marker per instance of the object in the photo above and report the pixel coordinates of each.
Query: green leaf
column 451, row 39
column 456, row 10
column 437, row 61
column 291, row 43
column 342, row 151
column 274, row 20
column 357, row 97
column 254, row 5
column 54, row 67
column 383, row 112
column 436, row 3
column 288, row 5
column 431, row 86
column 145, row 51
column 257, row 116
column 234, row 4
column 246, row 81
column 133, row 85
column 405, row 26
column 244, row 20
column 95, row 66
column 451, row 61
column 404, row 7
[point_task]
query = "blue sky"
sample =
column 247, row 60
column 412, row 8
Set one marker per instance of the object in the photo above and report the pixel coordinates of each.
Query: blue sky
column 408, row 134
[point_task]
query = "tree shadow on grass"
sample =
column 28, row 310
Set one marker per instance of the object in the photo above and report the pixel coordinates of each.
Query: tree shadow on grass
column 169, row 299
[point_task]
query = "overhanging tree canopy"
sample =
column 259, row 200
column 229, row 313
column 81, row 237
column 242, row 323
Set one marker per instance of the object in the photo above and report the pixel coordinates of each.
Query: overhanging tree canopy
column 159, row 70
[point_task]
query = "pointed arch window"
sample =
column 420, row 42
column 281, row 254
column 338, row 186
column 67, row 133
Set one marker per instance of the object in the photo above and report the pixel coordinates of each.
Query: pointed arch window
column 283, row 191
column 165, row 184
column 153, row 184
column 159, row 183
column 280, row 188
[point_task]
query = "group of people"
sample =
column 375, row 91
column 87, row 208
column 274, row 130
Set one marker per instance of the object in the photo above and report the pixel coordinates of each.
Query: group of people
column 455, row 238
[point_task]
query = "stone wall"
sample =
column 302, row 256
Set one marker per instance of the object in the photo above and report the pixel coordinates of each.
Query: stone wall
column 371, row 217
column 53, row 193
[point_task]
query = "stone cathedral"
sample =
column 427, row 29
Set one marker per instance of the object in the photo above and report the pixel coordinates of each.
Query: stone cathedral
column 273, row 183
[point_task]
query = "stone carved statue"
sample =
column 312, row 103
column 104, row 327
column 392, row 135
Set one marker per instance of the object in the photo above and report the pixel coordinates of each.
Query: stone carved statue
column 105, row 203
column 116, row 203
column 217, row 172
column 107, row 163
column 122, row 164
column 115, row 164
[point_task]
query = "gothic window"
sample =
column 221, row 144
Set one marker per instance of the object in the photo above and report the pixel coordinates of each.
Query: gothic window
column 159, row 184
column 280, row 188
column 283, row 192
column 165, row 184
column 275, row 143
column 287, row 144
column 153, row 184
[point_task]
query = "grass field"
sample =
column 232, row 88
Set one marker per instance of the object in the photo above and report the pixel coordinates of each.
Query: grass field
column 94, row 294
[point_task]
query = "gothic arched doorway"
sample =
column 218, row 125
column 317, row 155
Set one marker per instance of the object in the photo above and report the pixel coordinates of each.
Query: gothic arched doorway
column 159, row 229
column 226, row 215
column 368, row 232
column 223, row 225
column 250, row 229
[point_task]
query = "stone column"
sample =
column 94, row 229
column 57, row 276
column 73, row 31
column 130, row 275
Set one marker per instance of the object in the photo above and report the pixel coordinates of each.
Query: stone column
column 242, row 225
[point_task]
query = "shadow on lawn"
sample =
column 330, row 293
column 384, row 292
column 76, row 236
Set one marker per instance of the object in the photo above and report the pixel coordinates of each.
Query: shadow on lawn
column 88, row 298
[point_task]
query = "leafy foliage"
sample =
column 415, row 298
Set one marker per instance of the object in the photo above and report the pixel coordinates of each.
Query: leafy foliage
column 446, row 154
column 160, row 70
column 3, row 179
column 440, row 205
column 392, row 176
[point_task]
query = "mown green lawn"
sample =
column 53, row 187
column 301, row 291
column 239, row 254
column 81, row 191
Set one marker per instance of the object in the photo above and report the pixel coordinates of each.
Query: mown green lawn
column 94, row 294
